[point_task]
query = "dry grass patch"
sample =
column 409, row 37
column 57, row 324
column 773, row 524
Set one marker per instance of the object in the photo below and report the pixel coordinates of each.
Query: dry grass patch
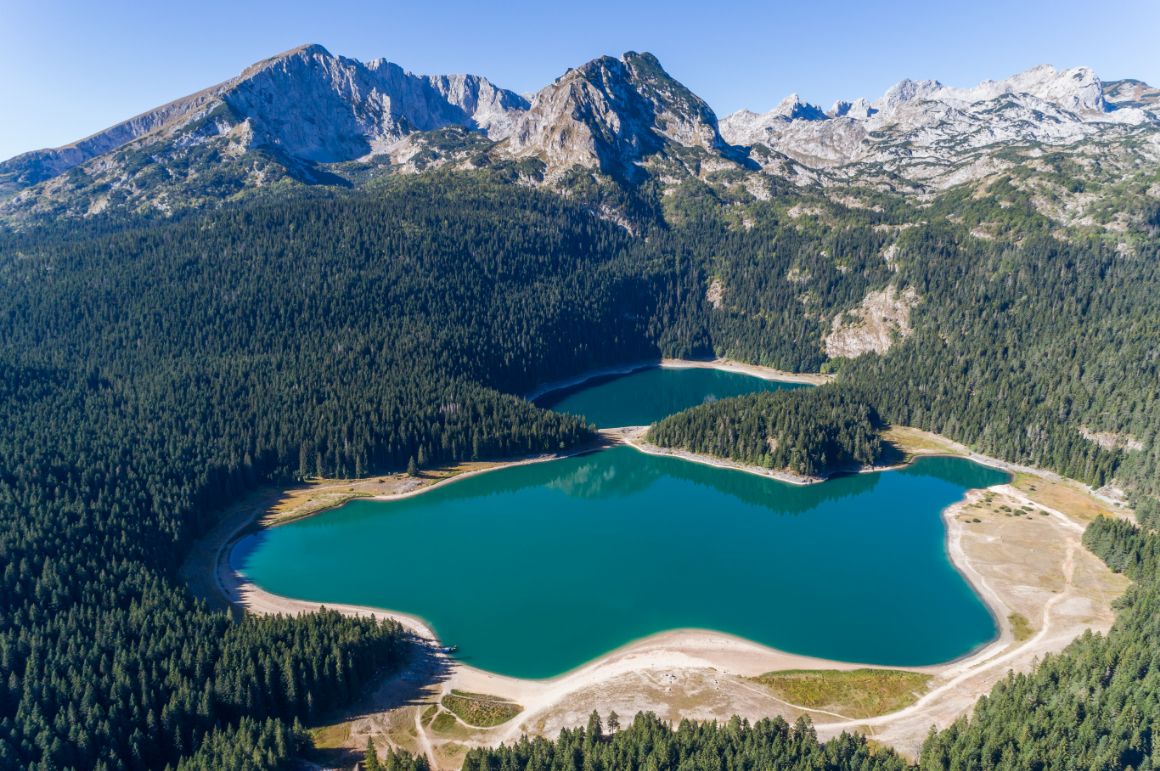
column 445, row 723
column 855, row 693
column 1062, row 496
column 1020, row 626
column 913, row 441
column 480, row 710
column 317, row 495
column 329, row 737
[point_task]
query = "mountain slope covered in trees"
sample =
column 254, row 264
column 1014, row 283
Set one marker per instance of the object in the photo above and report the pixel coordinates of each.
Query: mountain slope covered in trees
column 151, row 375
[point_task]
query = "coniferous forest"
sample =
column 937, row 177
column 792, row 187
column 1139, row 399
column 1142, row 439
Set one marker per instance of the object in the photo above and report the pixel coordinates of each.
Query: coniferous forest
column 151, row 372
column 813, row 432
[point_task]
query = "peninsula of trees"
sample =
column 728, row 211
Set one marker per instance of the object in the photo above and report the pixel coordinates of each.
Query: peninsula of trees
column 813, row 432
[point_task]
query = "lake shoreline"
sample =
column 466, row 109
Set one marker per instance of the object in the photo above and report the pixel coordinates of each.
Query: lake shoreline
column 723, row 365
column 695, row 649
column 241, row 592
column 634, row 437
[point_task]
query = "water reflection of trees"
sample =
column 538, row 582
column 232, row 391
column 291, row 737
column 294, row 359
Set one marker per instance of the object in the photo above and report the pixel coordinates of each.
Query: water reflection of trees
column 624, row 472
column 959, row 471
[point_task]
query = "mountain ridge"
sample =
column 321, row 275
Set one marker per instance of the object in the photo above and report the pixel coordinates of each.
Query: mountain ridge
column 305, row 115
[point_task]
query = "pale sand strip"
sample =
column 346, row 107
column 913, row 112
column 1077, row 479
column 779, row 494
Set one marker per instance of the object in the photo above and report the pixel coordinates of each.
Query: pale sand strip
column 633, row 436
column 756, row 370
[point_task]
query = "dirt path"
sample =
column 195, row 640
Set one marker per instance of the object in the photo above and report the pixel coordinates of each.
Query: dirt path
column 424, row 740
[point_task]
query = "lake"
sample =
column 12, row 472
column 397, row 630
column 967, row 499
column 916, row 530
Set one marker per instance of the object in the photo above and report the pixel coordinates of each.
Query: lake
column 534, row 570
column 647, row 395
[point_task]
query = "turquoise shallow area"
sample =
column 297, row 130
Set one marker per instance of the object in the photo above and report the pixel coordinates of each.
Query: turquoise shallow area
column 647, row 395
column 533, row 570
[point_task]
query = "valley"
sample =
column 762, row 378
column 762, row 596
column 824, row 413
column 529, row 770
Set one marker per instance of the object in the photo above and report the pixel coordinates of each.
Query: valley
column 611, row 434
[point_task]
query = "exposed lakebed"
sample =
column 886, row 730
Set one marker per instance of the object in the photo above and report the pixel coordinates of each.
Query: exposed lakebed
column 533, row 570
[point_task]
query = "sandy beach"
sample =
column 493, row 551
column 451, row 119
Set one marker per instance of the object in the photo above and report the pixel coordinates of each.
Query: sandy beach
column 633, row 436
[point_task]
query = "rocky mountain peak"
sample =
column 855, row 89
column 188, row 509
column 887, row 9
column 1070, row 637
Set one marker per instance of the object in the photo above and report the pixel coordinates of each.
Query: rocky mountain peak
column 611, row 113
column 906, row 91
column 304, row 105
column 793, row 108
column 305, row 51
column 1130, row 93
column 305, row 113
column 319, row 107
column 935, row 135
column 1077, row 89
column 859, row 109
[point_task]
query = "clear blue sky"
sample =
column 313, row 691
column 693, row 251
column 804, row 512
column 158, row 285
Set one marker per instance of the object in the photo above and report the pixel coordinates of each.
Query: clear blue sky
column 72, row 67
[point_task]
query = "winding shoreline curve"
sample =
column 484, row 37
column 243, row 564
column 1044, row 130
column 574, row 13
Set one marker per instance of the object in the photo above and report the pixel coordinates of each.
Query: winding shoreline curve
column 708, row 650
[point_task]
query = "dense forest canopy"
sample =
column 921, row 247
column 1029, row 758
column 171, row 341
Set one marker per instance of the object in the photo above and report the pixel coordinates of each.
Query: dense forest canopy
column 151, row 372
column 812, row 431
column 647, row 744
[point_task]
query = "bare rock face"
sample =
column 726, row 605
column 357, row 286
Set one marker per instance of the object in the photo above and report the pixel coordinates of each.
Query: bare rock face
column 305, row 105
column 1128, row 93
column 309, row 116
column 874, row 326
column 612, row 113
column 937, row 136
column 320, row 107
column 30, row 168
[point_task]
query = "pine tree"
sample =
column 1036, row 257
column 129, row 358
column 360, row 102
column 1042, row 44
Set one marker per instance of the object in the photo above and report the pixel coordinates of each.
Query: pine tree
column 371, row 757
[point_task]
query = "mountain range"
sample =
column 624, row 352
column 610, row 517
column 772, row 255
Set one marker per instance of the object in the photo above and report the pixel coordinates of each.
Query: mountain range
column 308, row 117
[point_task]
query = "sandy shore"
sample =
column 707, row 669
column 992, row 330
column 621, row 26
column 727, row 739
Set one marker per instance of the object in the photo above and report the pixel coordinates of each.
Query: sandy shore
column 766, row 373
column 633, row 436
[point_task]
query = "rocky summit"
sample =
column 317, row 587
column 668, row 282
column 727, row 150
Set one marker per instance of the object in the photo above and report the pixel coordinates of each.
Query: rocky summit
column 308, row 117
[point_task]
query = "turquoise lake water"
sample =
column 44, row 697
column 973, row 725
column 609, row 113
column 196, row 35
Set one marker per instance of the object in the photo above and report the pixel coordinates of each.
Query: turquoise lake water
column 645, row 396
column 534, row 570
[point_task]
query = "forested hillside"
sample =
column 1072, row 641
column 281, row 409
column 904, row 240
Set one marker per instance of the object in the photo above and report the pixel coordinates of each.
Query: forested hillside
column 1059, row 331
column 809, row 431
column 151, row 372
column 1095, row 705
column 150, row 375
